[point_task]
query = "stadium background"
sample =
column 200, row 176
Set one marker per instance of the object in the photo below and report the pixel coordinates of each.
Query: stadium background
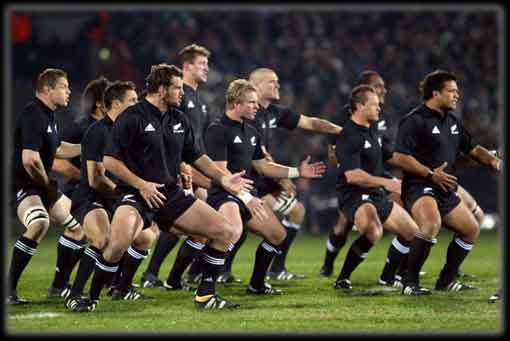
column 317, row 55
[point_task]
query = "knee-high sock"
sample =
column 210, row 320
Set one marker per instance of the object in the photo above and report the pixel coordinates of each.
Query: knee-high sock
column 418, row 253
column 189, row 251
column 22, row 253
column 263, row 257
column 398, row 249
column 103, row 274
column 166, row 242
column 278, row 264
column 87, row 264
column 356, row 254
column 457, row 252
column 232, row 253
column 68, row 250
column 213, row 263
column 132, row 260
column 333, row 247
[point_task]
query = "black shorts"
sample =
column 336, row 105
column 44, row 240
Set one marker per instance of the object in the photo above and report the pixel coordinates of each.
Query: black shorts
column 267, row 186
column 446, row 201
column 350, row 201
column 177, row 202
column 218, row 198
column 20, row 193
column 79, row 209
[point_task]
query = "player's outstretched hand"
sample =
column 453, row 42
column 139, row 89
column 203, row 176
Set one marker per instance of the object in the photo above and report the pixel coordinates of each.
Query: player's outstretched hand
column 235, row 183
column 311, row 170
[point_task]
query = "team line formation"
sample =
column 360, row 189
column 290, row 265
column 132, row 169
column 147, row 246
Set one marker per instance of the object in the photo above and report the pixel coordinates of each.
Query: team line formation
column 147, row 168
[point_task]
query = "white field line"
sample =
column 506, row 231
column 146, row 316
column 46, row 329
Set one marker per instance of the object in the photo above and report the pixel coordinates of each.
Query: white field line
column 33, row 316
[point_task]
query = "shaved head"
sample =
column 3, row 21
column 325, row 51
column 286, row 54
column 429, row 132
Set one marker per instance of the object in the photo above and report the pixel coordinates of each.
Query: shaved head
column 257, row 75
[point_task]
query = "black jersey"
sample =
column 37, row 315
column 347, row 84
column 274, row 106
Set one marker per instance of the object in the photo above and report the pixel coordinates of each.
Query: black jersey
column 432, row 139
column 268, row 119
column 379, row 127
column 180, row 141
column 36, row 129
column 358, row 147
column 92, row 149
column 137, row 139
column 74, row 134
column 196, row 110
column 235, row 142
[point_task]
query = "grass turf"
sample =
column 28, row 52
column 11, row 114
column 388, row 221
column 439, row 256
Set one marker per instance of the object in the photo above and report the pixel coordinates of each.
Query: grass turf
column 309, row 305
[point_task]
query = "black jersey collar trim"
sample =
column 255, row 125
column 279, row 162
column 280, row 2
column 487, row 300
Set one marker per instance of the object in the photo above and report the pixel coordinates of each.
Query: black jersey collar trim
column 231, row 122
column 433, row 112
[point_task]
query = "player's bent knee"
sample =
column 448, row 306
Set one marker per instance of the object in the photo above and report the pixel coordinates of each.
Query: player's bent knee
column 38, row 229
column 374, row 231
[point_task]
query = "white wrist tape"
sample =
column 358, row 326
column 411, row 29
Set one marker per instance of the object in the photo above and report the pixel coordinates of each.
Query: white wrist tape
column 188, row 191
column 245, row 197
column 293, row 173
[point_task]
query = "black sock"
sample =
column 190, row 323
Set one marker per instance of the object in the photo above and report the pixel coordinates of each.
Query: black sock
column 22, row 252
column 263, row 257
column 103, row 274
column 115, row 279
column 356, row 254
column 232, row 253
column 67, row 250
column 333, row 247
column 132, row 260
column 87, row 264
column 418, row 253
column 213, row 263
column 188, row 251
column 166, row 242
column 455, row 255
column 278, row 264
column 398, row 249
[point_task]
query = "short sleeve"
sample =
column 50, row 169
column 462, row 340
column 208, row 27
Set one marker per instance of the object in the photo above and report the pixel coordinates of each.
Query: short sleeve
column 93, row 144
column 33, row 129
column 286, row 117
column 122, row 136
column 216, row 143
column 191, row 150
column 407, row 135
column 348, row 150
column 466, row 143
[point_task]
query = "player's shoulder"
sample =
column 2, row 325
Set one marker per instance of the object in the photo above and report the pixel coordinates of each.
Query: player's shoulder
column 414, row 115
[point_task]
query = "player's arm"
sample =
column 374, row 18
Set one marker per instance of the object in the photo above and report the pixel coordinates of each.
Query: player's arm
column 66, row 168
column 97, row 177
column 199, row 179
column 68, row 150
column 34, row 166
column 318, row 125
column 275, row 170
column 349, row 150
column 485, row 157
column 361, row 178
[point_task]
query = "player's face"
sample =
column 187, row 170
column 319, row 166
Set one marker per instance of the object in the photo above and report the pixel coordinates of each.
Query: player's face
column 249, row 105
column 130, row 98
column 377, row 83
column 199, row 69
column 270, row 87
column 372, row 107
column 175, row 92
column 59, row 95
column 449, row 95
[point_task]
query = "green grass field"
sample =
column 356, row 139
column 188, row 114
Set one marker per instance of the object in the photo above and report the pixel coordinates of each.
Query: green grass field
column 309, row 305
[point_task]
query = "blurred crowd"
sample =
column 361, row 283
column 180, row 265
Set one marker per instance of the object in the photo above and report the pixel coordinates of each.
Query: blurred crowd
column 318, row 56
